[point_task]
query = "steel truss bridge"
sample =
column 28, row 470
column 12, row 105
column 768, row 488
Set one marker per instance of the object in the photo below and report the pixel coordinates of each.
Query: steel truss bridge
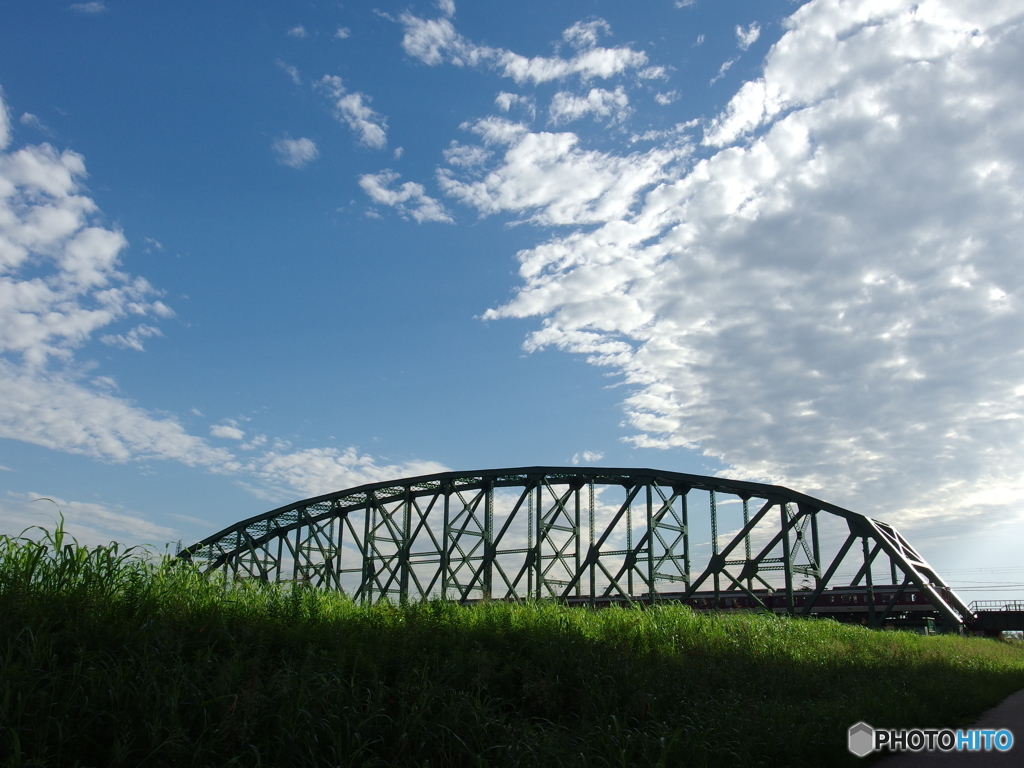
column 587, row 535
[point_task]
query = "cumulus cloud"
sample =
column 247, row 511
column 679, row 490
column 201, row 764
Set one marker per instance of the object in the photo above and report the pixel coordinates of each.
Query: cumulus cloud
column 551, row 180
column 343, row 33
column 566, row 107
column 409, row 199
column 298, row 31
column 831, row 298
column 436, row 41
column 295, row 153
column 353, row 109
column 747, row 36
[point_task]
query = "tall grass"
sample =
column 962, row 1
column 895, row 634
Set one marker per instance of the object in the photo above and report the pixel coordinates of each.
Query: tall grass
column 112, row 658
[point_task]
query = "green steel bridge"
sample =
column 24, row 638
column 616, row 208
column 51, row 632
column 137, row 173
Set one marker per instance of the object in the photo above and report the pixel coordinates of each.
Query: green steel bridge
column 590, row 535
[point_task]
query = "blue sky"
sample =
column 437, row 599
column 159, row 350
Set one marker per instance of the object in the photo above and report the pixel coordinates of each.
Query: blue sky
column 251, row 252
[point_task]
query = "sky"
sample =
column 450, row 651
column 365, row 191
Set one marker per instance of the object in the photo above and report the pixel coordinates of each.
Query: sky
column 251, row 252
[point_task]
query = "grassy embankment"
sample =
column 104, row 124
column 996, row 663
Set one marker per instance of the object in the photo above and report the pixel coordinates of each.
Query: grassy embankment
column 109, row 659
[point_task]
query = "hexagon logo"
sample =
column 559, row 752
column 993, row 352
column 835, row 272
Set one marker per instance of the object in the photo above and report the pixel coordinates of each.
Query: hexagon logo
column 860, row 739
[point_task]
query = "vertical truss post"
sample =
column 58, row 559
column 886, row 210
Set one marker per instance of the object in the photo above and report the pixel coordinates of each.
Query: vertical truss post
column 366, row 585
column 651, row 591
column 590, row 526
column 686, row 536
column 538, row 561
column 577, row 555
column 404, row 547
column 488, row 540
column 280, row 552
column 746, row 539
column 816, row 548
column 530, row 554
column 869, row 583
column 446, row 532
column 629, row 545
column 786, row 556
column 714, row 545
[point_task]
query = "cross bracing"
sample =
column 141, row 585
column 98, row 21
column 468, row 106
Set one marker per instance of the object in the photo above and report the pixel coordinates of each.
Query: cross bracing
column 585, row 535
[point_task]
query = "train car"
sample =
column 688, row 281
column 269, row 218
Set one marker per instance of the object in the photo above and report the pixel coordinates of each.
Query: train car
column 909, row 605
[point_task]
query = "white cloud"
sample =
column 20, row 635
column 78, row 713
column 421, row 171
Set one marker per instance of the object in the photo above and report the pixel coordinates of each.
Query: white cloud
column 833, row 298
column 584, row 35
column 726, row 66
column 59, row 277
column 295, row 153
column 566, row 107
column 410, row 199
column 89, row 9
column 353, row 109
column 505, row 101
column 586, row 457
column 343, row 33
column 90, row 523
column 133, row 339
column 32, row 121
column 227, row 431
column 747, row 36
column 549, row 178
column 298, row 31
column 434, row 41
column 466, row 155
column 447, row 7
column 316, row 471
column 666, row 98
column 291, row 70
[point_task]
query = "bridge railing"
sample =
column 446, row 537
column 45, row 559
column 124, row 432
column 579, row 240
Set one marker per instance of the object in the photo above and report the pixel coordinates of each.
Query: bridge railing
column 996, row 605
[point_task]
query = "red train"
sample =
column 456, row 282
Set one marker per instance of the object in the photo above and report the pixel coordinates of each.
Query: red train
column 841, row 603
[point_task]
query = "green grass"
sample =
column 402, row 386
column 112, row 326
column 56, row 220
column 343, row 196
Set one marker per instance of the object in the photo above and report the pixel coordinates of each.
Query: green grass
column 110, row 658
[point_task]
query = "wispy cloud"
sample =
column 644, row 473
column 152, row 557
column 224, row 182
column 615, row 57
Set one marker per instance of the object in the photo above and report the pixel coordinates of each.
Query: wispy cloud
column 291, row 70
column 295, row 153
column 747, row 36
column 89, row 9
column 434, row 41
column 410, row 198
column 354, row 110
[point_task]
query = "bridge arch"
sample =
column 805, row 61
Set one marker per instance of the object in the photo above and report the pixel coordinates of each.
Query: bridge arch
column 585, row 534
